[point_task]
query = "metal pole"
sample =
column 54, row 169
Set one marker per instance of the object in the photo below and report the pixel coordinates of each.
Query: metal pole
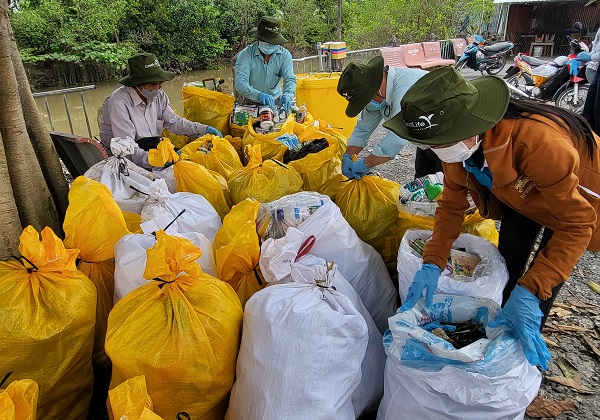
column 68, row 113
column 48, row 111
column 87, row 120
column 320, row 56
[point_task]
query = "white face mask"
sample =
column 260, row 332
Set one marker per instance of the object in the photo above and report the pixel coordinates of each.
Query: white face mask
column 149, row 94
column 458, row 152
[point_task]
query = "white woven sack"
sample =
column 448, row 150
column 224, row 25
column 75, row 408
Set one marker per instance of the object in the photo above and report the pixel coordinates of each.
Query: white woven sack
column 367, row 395
column 358, row 262
column 199, row 215
column 302, row 347
column 490, row 276
column 131, row 257
column 427, row 378
column 120, row 175
column 168, row 175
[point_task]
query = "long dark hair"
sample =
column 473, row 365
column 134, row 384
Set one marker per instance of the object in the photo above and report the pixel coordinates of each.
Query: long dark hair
column 577, row 126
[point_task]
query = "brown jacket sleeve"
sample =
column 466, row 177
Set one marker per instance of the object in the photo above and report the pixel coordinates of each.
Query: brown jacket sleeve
column 551, row 163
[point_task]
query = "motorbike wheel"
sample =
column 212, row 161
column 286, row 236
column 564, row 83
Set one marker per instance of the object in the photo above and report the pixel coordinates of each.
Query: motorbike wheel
column 497, row 66
column 460, row 65
column 518, row 81
column 565, row 99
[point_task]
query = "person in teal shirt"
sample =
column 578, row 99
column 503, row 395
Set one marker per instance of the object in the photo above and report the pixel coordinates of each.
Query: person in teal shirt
column 260, row 67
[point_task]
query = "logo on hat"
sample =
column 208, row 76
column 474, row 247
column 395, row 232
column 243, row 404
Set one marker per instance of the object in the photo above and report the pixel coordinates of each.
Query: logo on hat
column 155, row 64
column 421, row 125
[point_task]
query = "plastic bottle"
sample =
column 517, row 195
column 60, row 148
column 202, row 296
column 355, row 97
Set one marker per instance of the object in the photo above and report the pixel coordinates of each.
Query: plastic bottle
column 294, row 109
column 410, row 188
column 301, row 115
column 265, row 116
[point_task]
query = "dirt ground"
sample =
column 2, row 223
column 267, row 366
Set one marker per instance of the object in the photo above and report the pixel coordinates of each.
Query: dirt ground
column 572, row 382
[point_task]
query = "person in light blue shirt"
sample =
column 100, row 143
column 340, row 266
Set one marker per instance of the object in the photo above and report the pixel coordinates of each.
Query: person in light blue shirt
column 374, row 91
column 260, row 67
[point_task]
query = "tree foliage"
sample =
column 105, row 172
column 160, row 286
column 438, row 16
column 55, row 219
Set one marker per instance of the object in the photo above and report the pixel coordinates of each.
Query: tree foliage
column 188, row 34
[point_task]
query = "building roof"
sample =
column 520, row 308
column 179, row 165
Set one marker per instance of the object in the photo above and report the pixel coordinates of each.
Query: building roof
column 536, row 1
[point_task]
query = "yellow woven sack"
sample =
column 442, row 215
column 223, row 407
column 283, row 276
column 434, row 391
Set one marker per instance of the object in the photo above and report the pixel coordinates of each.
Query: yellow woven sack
column 369, row 205
column 48, row 312
column 263, row 180
column 178, row 140
column 93, row 224
column 237, row 250
column 237, row 130
column 19, row 400
column 269, row 147
column 207, row 107
column 214, row 153
column 195, row 178
column 474, row 224
column 131, row 401
column 318, row 168
column 181, row 331
column 133, row 221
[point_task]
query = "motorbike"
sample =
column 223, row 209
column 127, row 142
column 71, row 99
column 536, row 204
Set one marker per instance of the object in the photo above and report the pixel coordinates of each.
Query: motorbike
column 561, row 81
column 481, row 57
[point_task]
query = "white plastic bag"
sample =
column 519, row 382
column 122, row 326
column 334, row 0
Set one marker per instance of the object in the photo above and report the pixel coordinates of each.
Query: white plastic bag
column 427, row 378
column 275, row 263
column 130, row 260
column 490, row 276
column 199, row 215
column 547, row 70
column 168, row 175
column 302, row 347
column 128, row 183
column 357, row 261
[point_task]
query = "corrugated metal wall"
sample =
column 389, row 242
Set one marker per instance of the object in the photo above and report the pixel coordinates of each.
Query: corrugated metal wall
column 525, row 21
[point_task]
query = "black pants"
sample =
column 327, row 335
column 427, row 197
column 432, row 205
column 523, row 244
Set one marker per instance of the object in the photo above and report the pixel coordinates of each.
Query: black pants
column 518, row 235
column 591, row 108
column 426, row 162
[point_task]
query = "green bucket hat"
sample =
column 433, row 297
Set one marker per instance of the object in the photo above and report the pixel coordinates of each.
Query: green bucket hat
column 359, row 83
column 268, row 30
column 144, row 68
column 442, row 107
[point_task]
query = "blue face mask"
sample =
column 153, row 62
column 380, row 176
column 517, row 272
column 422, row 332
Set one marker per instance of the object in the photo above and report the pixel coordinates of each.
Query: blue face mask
column 266, row 48
column 374, row 106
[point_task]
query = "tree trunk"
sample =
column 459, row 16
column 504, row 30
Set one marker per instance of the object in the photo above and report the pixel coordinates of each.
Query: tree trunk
column 38, row 134
column 34, row 201
column 9, row 215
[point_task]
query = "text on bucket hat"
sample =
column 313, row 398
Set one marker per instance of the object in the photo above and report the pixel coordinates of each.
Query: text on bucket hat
column 268, row 30
column 145, row 68
column 442, row 107
column 359, row 83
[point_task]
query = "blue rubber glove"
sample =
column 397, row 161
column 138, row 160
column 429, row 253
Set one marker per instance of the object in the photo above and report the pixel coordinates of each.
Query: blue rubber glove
column 347, row 166
column 584, row 56
column 285, row 102
column 267, row 100
column 212, row 130
column 523, row 318
column 425, row 279
column 573, row 66
column 359, row 169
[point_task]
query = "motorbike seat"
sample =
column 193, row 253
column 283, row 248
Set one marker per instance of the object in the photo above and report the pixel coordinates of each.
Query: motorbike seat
column 497, row 47
column 532, row 61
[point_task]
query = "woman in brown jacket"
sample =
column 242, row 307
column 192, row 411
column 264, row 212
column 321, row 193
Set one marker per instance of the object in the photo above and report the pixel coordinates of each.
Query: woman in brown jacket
column 532, row 166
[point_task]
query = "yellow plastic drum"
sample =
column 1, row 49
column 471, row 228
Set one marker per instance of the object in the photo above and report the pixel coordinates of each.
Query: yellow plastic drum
column 318, row 91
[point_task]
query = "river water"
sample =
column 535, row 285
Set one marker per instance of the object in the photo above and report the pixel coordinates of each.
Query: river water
column 95, row 97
